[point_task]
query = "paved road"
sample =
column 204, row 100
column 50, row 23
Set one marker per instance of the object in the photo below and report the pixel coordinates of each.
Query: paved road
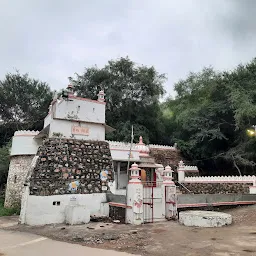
column 13, row 243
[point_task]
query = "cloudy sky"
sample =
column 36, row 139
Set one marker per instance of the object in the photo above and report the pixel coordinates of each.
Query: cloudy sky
column 53, row 39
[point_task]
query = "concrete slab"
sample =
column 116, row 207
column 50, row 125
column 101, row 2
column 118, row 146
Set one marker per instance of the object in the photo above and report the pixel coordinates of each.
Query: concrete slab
column 204, row 219
column 77, row 214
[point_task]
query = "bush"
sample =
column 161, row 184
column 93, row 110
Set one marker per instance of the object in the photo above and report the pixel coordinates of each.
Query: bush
column 8, row 212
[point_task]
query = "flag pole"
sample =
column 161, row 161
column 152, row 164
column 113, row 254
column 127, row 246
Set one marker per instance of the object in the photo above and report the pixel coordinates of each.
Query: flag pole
column 129, row 157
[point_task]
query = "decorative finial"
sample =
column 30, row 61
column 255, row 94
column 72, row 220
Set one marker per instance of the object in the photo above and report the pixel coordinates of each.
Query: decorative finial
column 70, row 90
column 101, row 96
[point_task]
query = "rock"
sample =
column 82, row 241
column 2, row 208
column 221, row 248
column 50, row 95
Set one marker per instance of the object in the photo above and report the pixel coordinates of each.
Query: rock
column 110, row 237
column 116, row 221
column 77, row 238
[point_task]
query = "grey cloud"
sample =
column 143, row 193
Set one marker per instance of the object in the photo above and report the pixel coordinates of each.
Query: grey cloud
column 51, row 40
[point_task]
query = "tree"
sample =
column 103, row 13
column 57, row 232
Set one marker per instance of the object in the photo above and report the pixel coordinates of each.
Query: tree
column 210, row 116
column 23, row 104
column 4, row 165
column 132, row 95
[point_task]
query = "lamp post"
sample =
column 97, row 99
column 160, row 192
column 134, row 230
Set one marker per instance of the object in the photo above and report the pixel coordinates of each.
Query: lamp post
column 252, row 132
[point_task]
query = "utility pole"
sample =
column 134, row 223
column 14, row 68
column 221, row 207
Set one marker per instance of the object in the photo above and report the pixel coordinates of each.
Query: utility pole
column 129, row 157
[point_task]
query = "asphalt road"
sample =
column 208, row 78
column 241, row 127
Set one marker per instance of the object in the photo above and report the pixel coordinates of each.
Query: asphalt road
column 24, row 244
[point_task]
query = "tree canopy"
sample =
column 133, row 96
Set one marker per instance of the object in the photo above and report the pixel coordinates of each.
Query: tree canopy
column 132, row 95
column 24, row 103
column 211, row 114
column 208, row 118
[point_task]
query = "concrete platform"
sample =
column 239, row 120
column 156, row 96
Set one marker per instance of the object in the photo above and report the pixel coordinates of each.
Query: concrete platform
column 204, row 219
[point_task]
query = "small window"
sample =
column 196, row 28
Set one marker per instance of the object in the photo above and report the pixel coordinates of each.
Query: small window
column 56, row 203
column 15, row 178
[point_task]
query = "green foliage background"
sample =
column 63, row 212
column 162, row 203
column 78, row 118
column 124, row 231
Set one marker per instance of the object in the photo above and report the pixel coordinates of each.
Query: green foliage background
column 208, row 118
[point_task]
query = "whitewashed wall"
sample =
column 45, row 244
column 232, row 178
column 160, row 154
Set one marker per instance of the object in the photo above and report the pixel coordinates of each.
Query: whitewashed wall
column 41, row 211
column 47, row 119
column 23, row 143
column 81, row 109
column 96, row 131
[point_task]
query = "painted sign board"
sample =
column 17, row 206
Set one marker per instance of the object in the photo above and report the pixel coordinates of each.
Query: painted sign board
column 79, row 130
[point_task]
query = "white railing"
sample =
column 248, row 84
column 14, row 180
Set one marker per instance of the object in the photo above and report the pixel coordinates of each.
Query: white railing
column 153, row 146
column 190, row 168
column 220, row 179
column 25, row 132
column 126, row 145
column 121, row 145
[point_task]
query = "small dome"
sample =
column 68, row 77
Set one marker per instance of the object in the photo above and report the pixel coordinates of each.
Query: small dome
column 168, row 169
column 142, row 148
column 134, row 167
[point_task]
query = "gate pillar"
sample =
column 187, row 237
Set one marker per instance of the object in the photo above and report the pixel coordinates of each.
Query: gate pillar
column 169, row 202
column 134, row 210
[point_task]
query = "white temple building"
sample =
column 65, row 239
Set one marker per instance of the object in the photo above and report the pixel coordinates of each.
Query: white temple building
column 73, row 117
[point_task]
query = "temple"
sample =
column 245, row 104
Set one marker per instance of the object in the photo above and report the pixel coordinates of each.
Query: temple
column 69, row 169
column 72, row 117
column 71, row 156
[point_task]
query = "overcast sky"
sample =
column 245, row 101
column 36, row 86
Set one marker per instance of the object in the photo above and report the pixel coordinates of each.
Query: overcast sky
column 53, row 39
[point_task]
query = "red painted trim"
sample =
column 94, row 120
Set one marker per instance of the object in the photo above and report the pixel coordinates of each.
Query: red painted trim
column 138, row 182
column 222, row 181
column 216, row 204
column 85, row 99
column 119, row 205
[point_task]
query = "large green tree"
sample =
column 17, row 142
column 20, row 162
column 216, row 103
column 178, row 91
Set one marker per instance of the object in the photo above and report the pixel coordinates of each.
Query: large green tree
column 132, row 95
column 210, row 116
column 24, row 103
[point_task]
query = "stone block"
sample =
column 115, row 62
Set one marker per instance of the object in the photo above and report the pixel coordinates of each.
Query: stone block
column 77, row 214
column 204, row 219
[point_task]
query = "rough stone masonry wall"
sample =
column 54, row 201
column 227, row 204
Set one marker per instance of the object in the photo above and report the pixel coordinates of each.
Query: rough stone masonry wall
column 62, row 161
column 18, row 169
column 216, row 188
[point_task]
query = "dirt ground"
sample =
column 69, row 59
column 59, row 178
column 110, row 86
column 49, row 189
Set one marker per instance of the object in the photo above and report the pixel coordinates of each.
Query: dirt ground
column 165, row 238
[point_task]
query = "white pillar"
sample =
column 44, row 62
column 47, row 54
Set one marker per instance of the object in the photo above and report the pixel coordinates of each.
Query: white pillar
column 253, row 188
column 134, row 211
column 118, row 175
column 24, row 202
column 169, row 200
column 181, row 172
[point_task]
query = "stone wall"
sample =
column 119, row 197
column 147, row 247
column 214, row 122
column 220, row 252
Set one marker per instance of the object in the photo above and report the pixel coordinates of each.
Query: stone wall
column 216, row 188
column 69, row 166
column 18, row 169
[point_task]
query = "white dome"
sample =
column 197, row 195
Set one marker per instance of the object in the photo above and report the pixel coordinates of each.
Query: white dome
column 142, row 148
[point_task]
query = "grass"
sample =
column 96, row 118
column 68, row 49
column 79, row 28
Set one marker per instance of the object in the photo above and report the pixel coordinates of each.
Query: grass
column 7, row 212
